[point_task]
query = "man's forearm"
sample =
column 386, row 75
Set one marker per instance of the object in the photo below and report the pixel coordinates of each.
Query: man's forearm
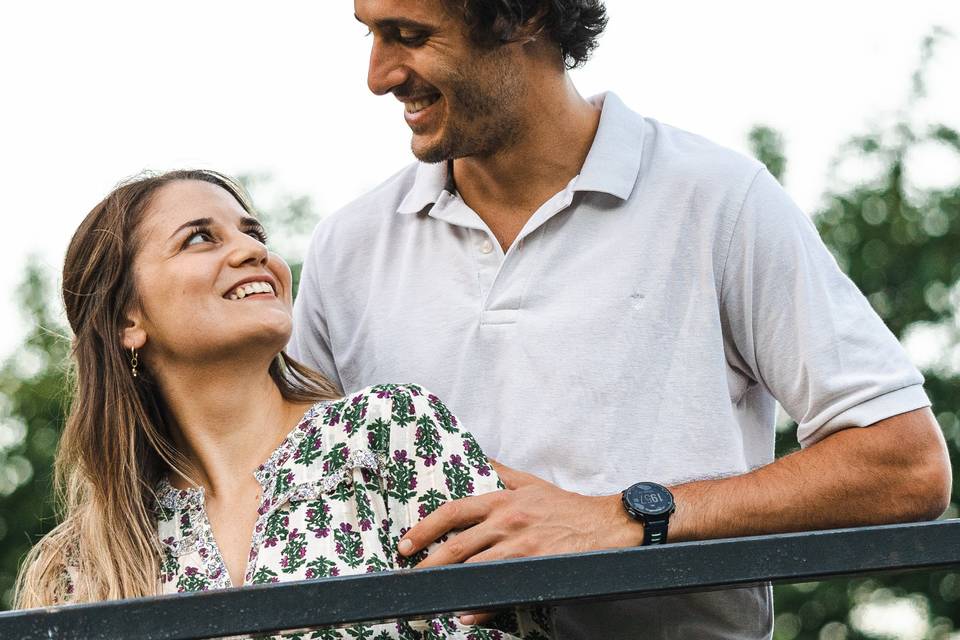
column 896, row 470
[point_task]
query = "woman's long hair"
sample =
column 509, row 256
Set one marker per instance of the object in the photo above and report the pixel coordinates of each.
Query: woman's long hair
column 117, row 443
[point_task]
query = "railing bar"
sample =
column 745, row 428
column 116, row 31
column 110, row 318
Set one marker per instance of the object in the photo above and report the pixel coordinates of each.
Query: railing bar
column 646, row 571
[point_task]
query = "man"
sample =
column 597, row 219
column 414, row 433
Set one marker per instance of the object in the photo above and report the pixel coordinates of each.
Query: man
column 604, row 301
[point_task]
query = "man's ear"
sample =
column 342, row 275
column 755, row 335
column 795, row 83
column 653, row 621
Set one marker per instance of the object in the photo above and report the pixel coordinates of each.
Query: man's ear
column 134, row 334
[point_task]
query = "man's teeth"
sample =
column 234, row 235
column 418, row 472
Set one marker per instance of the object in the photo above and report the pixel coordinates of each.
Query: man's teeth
column 418, row 105
column 250, row 288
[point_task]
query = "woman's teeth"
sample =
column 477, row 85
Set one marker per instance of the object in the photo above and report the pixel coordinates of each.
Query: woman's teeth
column 250, row 288
column 419, row 105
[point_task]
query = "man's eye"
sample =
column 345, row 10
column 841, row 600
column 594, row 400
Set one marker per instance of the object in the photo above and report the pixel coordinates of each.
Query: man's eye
column 411, row 38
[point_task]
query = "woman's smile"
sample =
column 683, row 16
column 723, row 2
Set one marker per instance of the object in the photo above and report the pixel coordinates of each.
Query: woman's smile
column 252, row 288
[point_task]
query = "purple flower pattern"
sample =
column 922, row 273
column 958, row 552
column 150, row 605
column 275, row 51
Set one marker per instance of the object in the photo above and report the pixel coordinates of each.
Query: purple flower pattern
column 338, row 494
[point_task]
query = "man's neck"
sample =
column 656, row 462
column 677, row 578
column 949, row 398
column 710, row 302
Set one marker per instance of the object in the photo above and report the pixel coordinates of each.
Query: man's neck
column 507, row 187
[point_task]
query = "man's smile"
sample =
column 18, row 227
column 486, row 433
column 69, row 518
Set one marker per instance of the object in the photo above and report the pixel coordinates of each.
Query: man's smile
column 420, row 111
column 419, row 104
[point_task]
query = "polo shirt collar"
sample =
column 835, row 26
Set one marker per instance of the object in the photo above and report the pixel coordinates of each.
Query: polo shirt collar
column 613, row 162
column 611, row 166
column 431, row 181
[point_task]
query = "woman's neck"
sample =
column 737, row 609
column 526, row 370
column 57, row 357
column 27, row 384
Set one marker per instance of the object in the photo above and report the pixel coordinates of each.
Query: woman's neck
column 228, row 419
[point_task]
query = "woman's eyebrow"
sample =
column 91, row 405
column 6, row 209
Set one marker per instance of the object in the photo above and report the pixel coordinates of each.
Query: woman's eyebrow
column 199, row 222
column 244, row 223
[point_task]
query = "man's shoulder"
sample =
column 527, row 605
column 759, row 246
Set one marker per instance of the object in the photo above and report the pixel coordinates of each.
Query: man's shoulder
column 686, row 155
column 373, row 207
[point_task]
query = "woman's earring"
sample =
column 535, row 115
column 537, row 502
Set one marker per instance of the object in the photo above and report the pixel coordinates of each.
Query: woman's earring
column 134, row 361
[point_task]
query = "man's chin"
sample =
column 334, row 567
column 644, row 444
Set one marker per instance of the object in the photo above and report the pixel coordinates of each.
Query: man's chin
column 430, row 152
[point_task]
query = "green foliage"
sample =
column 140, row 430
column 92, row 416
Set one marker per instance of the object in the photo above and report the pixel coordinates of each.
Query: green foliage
column 901, row 246
column 767, row 145
column 34, row 388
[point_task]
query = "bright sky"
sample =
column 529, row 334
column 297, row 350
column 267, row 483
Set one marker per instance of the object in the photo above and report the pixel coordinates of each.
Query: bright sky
column 96, row 91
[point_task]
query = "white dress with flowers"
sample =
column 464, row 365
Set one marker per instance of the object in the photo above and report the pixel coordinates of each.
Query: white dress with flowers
column 338, row 493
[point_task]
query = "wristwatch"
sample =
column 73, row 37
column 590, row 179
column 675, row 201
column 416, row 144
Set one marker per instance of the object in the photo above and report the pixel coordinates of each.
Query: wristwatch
column 651, row 504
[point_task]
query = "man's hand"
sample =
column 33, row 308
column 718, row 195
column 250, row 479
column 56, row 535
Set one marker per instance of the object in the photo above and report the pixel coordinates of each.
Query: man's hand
column 532, row 517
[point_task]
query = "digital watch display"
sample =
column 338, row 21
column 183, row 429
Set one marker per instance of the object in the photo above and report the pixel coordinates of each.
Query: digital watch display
column 651, row 504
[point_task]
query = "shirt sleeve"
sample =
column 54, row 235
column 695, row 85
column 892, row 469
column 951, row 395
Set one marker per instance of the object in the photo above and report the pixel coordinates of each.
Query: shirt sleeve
column 310, row 340
column 425, row 459
column 796, row 324
column 430, row 460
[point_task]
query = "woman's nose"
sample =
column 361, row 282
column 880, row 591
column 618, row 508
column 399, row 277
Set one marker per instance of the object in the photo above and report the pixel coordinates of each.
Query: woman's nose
column 247, row 249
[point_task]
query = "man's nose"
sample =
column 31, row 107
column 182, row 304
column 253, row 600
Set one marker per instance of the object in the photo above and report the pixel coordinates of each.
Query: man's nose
column 386, row 69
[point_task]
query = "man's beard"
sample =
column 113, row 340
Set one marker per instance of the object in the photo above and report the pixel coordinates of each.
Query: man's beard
column 480, row 119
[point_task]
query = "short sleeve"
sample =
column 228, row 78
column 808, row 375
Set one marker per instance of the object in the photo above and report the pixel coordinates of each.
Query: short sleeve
column 406, row 450
column 310, row 340
column 796, row 324
column 429, row 458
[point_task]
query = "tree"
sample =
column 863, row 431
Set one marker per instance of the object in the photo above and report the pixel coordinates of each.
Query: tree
column 900, row 244
column 33, row 397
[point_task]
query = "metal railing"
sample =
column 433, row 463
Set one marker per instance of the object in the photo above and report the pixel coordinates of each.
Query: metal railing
column 604, row 575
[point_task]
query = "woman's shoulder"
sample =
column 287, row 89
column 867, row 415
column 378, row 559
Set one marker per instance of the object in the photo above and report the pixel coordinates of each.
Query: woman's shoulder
column 390, row 405
column 397, row 429
column 361, row 429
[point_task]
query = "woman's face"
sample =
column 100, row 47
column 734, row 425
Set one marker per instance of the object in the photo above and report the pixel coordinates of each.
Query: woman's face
column 208, row 287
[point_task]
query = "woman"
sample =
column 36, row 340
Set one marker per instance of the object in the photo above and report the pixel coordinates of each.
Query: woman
column 180, row 315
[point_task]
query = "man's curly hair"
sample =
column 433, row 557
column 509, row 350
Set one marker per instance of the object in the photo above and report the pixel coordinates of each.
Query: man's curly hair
column 574, row 25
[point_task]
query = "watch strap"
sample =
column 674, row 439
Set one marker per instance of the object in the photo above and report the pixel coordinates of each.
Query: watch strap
column 655, row 530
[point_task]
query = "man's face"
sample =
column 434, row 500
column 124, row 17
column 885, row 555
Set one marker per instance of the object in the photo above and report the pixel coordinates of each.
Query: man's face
column 459, row 100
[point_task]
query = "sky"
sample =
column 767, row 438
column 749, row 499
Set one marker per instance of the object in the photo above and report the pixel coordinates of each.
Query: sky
column 97, row 91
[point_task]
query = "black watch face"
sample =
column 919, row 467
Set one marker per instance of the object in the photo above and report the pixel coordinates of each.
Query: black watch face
column 649, row 499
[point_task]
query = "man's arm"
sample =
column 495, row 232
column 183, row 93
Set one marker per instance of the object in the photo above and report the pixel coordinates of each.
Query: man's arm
column 896, row 470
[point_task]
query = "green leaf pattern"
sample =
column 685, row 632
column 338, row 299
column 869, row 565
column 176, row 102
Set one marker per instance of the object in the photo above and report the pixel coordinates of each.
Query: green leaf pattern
column 338, row 494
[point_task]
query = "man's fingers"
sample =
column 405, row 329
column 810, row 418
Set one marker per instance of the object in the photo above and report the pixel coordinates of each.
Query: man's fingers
column 459, row 548
column 457, row 514
column 476, row 617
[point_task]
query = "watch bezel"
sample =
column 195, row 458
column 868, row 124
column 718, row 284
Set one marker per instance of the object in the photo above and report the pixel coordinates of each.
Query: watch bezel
column 640, row 510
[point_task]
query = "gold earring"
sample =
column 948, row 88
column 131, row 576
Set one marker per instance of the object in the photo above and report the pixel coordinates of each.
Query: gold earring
column 134, row 361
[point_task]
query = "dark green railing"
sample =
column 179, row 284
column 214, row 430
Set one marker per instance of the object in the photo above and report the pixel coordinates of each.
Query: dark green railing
column 628, row 573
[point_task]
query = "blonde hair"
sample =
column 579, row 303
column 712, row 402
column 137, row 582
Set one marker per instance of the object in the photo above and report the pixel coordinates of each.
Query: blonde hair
column 117, row 442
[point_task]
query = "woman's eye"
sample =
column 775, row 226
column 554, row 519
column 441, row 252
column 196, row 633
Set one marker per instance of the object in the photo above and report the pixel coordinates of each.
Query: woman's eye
column 197, row 237
column 259, row 235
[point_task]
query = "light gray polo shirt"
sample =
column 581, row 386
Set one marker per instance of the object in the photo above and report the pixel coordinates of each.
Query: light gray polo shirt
column 641, row 327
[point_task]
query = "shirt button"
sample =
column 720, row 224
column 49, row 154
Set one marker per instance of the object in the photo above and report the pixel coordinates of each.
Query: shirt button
column 486, row 247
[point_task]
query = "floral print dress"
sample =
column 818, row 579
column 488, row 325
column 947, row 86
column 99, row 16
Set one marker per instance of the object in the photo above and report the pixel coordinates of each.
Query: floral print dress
column 338, row 493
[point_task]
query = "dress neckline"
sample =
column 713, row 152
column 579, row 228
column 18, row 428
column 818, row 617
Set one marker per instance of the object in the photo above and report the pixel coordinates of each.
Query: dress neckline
column 172, row 498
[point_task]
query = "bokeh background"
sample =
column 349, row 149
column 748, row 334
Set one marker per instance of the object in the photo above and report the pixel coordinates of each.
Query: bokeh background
column 854, row 105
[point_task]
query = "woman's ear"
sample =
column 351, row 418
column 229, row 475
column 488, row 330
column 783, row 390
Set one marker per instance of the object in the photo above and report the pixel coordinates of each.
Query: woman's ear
column 134, row 335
